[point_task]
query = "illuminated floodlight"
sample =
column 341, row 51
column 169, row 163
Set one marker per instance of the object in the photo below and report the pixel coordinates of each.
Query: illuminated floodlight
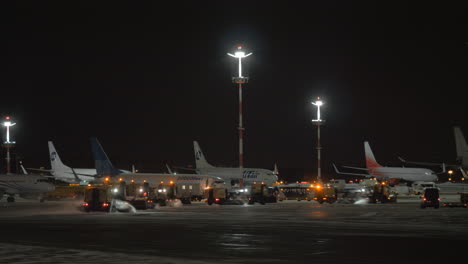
column 318, row 103
column 239, row 54
column 7, row 123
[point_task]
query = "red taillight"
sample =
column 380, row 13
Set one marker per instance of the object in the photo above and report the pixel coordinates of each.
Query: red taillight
column 217, row 199
column 438, row 199
column 105, row 204
column 85, row 204
column 424, row 199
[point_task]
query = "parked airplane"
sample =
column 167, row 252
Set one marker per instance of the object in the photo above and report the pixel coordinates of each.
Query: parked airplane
column 374, row 169
column 64, row 173
column 462, row 152
column 26, row 186
column 232, row 175
column 105, row 168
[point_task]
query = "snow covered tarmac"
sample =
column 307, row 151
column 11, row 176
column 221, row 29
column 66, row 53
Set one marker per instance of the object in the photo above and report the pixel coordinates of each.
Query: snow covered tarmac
column 287, row 232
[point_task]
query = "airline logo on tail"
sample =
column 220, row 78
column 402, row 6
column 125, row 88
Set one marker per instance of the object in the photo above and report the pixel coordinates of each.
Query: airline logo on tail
column 198, row 155
column 53, row 156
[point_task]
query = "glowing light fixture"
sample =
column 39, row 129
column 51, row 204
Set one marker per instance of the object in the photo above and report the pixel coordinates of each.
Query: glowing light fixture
column 318, row 103
column 239, row 54
column 8, row 124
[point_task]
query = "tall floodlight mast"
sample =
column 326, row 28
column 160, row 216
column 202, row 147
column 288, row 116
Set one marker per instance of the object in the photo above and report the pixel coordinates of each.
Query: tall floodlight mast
column 240, row 79
column 7, row 143
column 318, row 122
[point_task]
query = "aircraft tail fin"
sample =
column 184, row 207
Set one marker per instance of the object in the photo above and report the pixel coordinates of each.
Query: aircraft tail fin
column 371, row 162
column 460, row 142
column 200, row 160
column 103, row 165
column 55, row 163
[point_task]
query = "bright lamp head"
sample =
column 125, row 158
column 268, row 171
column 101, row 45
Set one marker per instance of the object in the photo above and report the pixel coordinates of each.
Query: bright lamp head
column 239, row 54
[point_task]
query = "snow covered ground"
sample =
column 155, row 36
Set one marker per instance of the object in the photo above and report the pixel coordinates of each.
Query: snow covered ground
column 285, row 232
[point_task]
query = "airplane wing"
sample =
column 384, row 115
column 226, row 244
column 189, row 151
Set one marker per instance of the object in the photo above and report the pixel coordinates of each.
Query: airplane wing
column 349, row 173
column 356, row 168
column 185, row 168
column 40, row 170
column 353, row 174
column 84, row 174
column 50, row 171
column 427, row 163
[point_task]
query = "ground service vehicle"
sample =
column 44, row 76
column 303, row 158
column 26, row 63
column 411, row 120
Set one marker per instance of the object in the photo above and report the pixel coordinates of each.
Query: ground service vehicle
column 463, row 201
column 382, row 192
column 295, row 191
column 217, row 195
column 430, row 198
column 96, row 199
column 258, row 193
column 325, row 193
column 164, row 192
column 139, row 195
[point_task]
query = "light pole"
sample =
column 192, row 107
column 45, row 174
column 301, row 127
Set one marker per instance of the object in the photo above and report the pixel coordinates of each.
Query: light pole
column 318, row 122
column 240, row 79
column 8, row 144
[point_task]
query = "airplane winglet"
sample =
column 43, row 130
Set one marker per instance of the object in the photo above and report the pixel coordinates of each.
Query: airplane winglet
column 336, row 169
column 463, row 172
column 22, row 168
column 169, row 169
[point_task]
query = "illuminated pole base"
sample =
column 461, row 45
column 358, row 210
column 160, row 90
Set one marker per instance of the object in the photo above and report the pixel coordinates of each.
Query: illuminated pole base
column 318, row 123
column 8, row 146
column 241, row 80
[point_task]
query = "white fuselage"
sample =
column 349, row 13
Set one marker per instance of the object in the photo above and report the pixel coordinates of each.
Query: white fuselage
column 24, row 184
column 249, row 175
column 407, row 174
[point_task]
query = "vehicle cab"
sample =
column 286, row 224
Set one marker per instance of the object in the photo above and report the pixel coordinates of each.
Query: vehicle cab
column 430, row 198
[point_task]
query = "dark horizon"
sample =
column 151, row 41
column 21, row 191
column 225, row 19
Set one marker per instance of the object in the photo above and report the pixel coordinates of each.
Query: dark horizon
column 148, row 79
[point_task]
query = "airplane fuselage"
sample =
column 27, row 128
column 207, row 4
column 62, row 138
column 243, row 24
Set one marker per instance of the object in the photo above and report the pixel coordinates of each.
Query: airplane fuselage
column 24, row 184
column 407, row 174
column 249, row 176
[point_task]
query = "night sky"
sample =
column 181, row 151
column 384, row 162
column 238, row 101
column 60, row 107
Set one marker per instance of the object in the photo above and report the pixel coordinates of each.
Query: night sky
column 148, row 79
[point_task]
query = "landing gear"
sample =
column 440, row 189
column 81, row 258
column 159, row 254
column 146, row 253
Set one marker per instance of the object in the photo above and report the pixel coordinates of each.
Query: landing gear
column 11, row 199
